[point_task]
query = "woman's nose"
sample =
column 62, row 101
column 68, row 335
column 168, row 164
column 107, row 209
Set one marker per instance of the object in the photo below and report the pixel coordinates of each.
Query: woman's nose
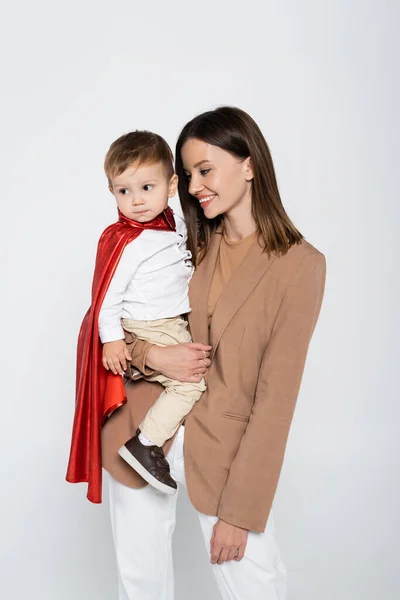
column 195, row 187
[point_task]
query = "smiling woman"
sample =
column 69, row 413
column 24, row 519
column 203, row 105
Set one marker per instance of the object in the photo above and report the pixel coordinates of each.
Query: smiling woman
column 255, row 298
column 228, row 169
column 218, row 178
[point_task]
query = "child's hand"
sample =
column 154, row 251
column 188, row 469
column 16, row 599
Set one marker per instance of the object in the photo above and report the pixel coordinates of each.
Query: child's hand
column 115, row 355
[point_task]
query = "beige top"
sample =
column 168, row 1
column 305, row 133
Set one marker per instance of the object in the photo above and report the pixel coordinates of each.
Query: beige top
column 229, row 258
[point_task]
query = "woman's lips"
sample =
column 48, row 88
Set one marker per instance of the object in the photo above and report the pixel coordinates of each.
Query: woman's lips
column 206, row 200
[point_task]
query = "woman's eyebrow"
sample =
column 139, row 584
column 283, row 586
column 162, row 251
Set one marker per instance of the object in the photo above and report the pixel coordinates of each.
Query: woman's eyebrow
column 200, row 163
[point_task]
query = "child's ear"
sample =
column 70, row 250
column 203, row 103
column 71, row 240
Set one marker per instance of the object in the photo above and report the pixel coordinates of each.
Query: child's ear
column 110, row 188
column 173, row 184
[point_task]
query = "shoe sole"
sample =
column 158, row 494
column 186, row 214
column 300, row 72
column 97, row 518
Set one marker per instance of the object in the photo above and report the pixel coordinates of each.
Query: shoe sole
column 139, row 468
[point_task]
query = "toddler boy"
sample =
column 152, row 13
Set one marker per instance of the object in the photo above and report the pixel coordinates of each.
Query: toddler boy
column 140, row 286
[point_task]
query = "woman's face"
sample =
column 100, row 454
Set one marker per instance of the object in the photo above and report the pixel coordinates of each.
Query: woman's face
column 220, row 181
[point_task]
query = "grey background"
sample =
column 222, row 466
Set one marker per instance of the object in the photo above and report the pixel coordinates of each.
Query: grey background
column 321, row 79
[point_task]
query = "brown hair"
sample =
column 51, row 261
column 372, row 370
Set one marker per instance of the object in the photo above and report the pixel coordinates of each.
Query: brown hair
column 236, row 132
column 142, row 147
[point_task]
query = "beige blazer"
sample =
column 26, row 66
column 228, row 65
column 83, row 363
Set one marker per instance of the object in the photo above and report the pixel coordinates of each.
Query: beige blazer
column 235, row 436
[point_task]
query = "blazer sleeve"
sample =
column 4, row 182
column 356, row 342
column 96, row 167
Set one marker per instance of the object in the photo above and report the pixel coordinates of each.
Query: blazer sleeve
column 250, row 488
column 138, row 350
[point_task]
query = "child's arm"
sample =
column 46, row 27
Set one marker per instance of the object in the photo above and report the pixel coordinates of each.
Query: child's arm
column 115, row 351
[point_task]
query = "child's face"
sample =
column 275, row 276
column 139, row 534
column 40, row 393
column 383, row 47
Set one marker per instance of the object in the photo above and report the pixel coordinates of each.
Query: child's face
column 142, row 191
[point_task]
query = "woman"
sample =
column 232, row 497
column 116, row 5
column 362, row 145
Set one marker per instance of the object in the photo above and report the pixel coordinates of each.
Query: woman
column 255, row 297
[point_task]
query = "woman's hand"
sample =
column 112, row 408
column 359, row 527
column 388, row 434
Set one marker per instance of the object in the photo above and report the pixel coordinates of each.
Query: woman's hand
column 183, row 362
column 228, row 542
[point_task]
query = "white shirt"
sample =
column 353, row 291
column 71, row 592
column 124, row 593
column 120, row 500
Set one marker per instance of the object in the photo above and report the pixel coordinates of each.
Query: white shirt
column 150, row 282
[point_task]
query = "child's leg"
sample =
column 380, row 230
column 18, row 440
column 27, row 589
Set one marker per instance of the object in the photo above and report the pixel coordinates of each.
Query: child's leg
column 164, row 417
column 178, row 399
column 172, row 406
column 163, row 332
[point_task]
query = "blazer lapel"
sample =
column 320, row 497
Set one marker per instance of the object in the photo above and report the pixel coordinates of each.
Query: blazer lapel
column 243, row 281
column 198, row 292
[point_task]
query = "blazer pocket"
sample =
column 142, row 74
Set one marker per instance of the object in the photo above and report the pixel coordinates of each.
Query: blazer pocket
column 235, row 417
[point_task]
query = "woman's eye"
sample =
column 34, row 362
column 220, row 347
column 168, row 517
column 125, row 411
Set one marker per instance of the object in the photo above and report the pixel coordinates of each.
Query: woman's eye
column 204, row 171
column 147, row 187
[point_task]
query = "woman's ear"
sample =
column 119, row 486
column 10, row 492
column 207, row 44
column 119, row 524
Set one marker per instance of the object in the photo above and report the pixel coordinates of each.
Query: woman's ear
column 248, row 169
column 173, row 184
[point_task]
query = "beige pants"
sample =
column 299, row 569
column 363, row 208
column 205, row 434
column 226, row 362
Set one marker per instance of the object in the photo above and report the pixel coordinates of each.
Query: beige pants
column 178, row 398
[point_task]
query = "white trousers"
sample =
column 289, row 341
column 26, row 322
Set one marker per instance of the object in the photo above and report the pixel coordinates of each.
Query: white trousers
column 143, row 522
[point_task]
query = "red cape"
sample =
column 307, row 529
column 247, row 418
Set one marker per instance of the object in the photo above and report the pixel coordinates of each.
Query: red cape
column 98, row 391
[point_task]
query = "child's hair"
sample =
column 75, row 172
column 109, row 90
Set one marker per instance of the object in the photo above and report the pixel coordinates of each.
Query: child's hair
column 141, row 147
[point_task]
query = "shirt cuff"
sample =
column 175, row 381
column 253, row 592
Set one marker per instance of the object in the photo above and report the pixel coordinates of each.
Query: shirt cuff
column 111, row 334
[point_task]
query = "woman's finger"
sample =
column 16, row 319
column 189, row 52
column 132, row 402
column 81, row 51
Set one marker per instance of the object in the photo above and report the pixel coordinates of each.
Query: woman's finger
column 231, row 554
column 198, row 369
column 194, row 378
column 200, row 346
column 212, row 540
column 240, row 552
column 195, row 364
column 223, row 557
column 215, row 554
column 205, row 362
column 105, row 363
column 202, row 354
column 199, row 373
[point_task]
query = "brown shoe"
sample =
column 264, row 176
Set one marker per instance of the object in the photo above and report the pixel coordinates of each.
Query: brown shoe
column 150, row 463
